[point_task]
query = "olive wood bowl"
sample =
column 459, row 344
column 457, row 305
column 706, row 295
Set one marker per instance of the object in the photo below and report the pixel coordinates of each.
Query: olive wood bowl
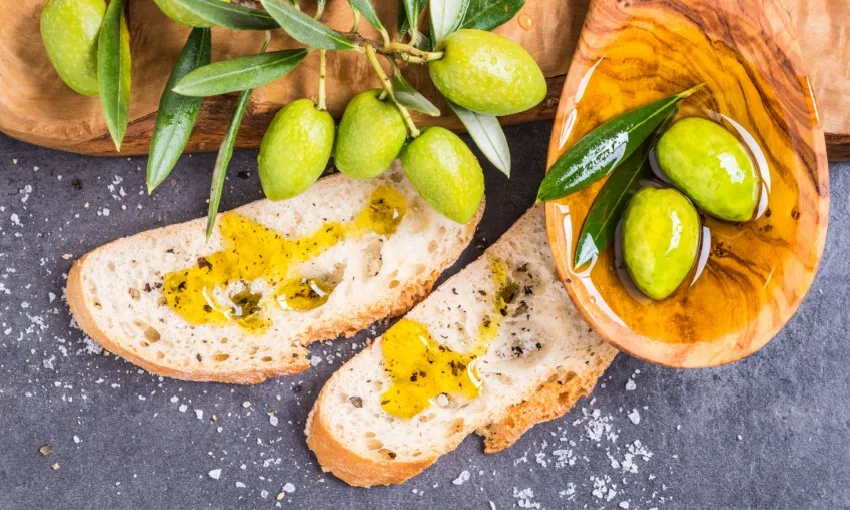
column 632, row 52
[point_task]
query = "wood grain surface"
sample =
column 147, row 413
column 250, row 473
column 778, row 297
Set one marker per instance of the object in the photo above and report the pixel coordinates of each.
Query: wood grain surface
column 633, row 52
column 37, row 107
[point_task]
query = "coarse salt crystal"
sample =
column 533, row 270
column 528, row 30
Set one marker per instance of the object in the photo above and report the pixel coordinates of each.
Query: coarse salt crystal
column 462, row 477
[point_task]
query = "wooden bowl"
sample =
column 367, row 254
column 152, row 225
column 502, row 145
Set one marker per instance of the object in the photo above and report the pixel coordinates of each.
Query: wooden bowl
column 632, row 52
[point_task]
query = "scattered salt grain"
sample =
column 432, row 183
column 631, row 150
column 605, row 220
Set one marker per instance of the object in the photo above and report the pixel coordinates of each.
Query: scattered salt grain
column 524, row 498
column 288, row 488
column 634, row 416
column 630, row 385
column 215, row 474
column 183, row 408
column 462, row 477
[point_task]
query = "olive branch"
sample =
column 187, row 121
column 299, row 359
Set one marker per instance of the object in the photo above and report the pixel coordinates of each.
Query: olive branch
column 419, row 31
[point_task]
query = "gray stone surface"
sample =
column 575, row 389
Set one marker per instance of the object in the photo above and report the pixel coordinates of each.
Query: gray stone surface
column 769, row 432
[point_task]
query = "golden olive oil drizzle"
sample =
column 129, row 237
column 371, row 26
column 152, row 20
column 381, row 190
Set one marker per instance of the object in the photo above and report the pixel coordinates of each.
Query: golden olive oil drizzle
column 253, row 252
column 302, row 294
column 421, row 369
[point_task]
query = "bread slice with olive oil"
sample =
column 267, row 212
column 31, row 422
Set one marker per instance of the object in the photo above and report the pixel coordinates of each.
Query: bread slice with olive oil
column 496, row 349
column 274, row 277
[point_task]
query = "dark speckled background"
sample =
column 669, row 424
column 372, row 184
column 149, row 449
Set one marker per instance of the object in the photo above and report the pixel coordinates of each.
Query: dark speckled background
column 769, row 432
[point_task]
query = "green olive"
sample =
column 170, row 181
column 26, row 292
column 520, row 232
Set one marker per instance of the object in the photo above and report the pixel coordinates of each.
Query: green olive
column 371, row 134
column 711, row 166
column 181, row 14
column 69, row 30
column 487, row 73
column 295, row 149
column 661, row 231
column 445, row 173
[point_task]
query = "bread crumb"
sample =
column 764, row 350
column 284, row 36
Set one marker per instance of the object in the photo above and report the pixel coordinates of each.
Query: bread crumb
column 246, row 404
column 45, row 450
column 55, row 466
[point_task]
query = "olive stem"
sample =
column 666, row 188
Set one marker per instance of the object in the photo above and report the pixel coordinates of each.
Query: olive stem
column 322, row 74
column 356, row 24
column 394, row 49
column 320, row 9
column 426, row 56
column 267, row 37
column 388, row 88
column 385, row 37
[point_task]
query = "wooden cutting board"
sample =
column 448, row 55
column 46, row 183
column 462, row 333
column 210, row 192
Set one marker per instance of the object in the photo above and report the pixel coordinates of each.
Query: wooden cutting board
column 35, row 106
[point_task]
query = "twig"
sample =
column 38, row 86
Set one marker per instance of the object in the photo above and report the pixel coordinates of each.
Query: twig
column 388, row 88
column 322, row 74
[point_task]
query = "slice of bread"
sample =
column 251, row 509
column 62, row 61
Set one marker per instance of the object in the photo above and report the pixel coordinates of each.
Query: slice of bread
column 116, row 292
column 542, row 360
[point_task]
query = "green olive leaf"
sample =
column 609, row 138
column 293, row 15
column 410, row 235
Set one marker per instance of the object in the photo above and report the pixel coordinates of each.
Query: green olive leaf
column 600, row 225
column 408, row 15
column 409, row 97
column 113, row 70
column 487, row 134
column 229, row 15
column 225, row 151
column 368, row 11
column 177, row 114
column 240, row 73
column 489, row 14
column 446, row 17
column 305, row 29
column 600, row 151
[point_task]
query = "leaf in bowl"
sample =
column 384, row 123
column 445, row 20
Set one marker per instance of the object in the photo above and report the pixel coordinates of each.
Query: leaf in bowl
column 600, row 225
column 600, row 151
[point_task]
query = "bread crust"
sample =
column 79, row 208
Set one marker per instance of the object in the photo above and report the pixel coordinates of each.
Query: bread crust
column 551, row 401
column 82, row 307
column 334, row 457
